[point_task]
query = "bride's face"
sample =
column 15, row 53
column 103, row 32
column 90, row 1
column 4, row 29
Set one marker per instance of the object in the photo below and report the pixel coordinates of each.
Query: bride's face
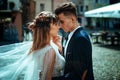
column 54, row 28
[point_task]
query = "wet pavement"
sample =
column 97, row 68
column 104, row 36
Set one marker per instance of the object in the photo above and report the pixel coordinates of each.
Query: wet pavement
column 106, row 61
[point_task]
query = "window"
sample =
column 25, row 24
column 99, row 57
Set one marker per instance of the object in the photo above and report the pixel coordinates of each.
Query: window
column 96, row 1
column 3, row 4
column 81, row 8
column 42, row 7
column 86, row 8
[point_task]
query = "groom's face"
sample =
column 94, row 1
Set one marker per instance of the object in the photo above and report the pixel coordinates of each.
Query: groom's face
column 65, row 22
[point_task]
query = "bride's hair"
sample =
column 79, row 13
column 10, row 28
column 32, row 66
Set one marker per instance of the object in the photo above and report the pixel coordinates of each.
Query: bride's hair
column 41, row 29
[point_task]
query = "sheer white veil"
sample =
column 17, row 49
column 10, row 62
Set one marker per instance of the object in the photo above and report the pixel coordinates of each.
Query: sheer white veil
column 11, row 49
column 13, row 60
column 16, row 64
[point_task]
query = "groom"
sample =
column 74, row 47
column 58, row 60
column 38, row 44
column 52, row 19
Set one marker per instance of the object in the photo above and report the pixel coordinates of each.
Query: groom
column 78, row 49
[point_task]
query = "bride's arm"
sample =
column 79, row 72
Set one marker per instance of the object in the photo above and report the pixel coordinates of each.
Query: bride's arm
column 49, row 62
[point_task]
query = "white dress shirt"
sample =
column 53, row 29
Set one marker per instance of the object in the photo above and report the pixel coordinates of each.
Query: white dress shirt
column 69, row 37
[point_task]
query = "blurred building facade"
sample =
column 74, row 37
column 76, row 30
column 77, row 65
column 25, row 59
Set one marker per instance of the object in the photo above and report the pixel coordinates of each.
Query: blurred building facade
column 48, row 5
column 28, row 11
column 24, row 11
column 100, row 22
column 8, row 10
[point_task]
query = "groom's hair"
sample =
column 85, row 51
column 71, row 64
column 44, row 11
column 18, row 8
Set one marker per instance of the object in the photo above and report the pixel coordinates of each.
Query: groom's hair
column 67, row 8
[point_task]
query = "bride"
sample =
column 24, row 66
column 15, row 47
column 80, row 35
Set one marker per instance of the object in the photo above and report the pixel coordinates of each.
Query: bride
column 42, row 60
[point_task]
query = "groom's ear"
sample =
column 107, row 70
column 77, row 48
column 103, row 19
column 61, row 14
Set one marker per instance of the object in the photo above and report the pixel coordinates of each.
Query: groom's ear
column 73, row 18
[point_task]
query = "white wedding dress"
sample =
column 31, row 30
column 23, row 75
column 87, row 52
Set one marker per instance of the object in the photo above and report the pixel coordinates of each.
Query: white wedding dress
column 29, row 67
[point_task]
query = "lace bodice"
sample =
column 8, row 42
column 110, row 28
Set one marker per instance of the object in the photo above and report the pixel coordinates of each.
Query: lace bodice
column 39, row 57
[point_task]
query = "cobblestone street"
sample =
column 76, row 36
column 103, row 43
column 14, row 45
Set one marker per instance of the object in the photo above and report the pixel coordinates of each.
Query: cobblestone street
column 106, row 61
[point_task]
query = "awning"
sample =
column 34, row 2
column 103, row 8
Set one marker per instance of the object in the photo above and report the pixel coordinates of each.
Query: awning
column 111, row 11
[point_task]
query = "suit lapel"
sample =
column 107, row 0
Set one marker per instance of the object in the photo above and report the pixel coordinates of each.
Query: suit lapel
column 69, row 47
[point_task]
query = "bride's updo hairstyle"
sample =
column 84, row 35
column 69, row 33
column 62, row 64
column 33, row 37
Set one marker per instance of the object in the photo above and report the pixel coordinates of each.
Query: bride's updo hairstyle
column 41, row 29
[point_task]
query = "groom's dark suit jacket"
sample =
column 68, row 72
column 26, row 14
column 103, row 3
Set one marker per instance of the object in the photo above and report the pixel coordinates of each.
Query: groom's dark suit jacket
column 78, row 57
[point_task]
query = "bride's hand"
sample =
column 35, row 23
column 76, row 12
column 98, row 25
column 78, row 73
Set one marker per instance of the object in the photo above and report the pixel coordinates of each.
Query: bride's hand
column 57, row 40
